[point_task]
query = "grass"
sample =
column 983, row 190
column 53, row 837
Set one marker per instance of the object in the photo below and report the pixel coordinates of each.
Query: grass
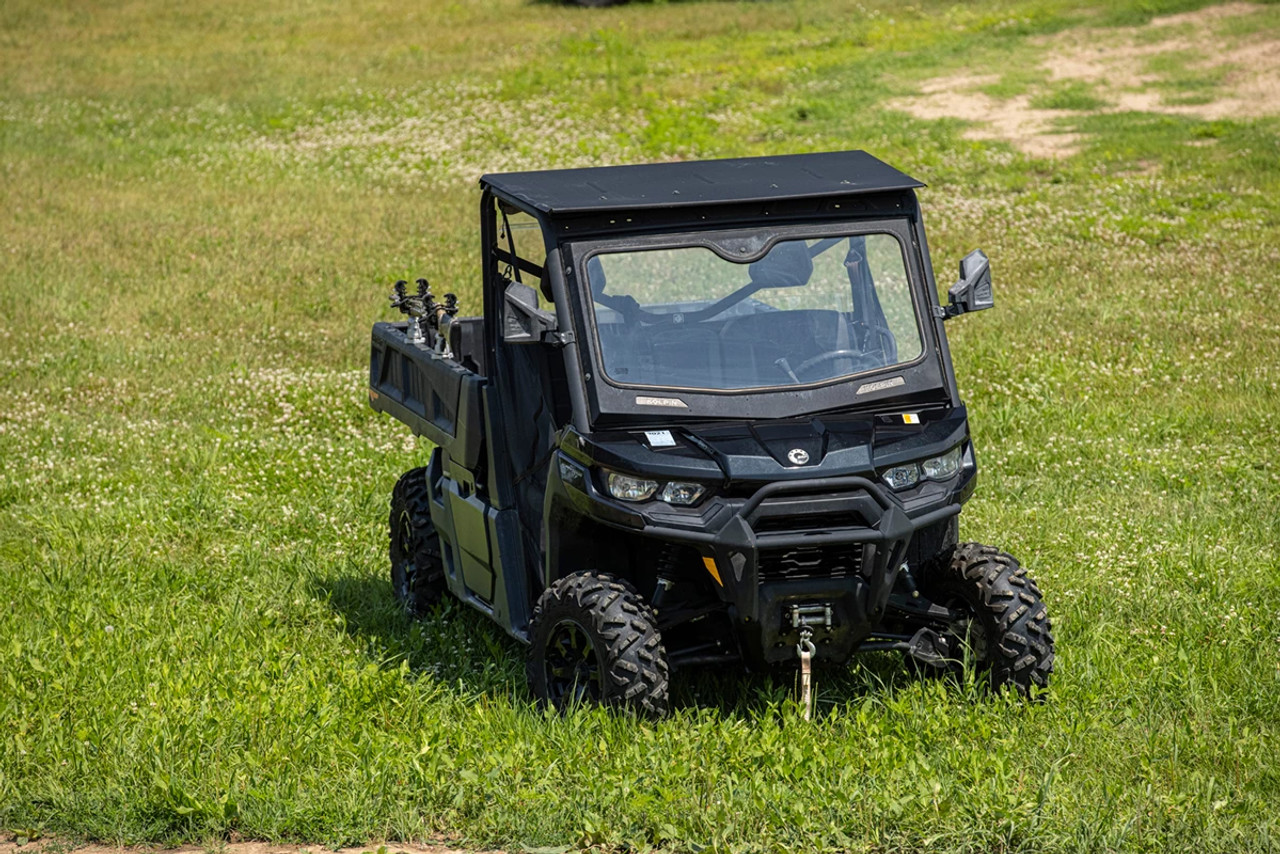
column 1185, row 80
column 1075, row 95
column 203, row 209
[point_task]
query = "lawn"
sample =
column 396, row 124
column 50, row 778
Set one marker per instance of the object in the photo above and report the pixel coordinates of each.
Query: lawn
column 203, row 207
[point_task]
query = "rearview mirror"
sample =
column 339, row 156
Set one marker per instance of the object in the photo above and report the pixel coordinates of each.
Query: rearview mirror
column 522, row 321
column 973, row 291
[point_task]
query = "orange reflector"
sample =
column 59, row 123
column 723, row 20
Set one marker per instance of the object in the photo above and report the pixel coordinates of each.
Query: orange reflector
column 710, row 564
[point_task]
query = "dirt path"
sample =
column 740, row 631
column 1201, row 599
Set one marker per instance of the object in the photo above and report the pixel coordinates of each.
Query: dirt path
column 1125, row 69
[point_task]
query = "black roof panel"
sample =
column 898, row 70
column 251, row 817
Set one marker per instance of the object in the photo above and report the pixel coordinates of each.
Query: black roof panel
column 700, row 182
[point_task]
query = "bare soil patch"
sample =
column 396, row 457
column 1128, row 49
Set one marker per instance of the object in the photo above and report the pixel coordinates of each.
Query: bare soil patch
column 1011, row 119
column 1118, row 65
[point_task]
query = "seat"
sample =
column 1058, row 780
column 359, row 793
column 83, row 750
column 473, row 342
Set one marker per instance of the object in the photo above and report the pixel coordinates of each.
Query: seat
column 754, row 344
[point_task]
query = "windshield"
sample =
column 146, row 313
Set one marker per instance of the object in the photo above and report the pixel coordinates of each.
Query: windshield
column 807, row 312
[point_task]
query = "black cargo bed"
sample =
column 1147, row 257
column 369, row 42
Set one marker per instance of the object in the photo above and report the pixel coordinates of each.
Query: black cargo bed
column 436, row 397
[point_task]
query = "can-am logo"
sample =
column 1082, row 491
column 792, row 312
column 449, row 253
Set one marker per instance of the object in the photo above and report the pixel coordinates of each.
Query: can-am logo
column 799, row 456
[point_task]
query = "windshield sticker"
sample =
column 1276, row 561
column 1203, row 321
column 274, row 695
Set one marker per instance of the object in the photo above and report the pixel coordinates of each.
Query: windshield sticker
column 670, row 402
column 660, row 438
column 881, row 385
column 910, row 418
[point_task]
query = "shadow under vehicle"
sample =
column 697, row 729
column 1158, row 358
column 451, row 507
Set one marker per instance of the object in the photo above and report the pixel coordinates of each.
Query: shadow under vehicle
column 707, row 417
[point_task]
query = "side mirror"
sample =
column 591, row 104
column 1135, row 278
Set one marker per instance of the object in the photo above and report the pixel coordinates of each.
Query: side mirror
column 973, row 291
column 522, row 321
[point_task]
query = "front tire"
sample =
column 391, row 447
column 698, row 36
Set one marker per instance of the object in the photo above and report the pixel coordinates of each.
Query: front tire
column 593, row 640
column 1007, row 625
column 417, row 571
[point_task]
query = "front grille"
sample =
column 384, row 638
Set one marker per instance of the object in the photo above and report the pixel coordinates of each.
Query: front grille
column 806, row 522
column 811, row 562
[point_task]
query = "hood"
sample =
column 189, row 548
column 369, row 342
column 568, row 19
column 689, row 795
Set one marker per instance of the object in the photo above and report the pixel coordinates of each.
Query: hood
column 765, row 451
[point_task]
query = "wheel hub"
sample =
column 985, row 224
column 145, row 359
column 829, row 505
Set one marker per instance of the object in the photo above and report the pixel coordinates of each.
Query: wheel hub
column 404, row 536
column 968, row 630
column 572, row 666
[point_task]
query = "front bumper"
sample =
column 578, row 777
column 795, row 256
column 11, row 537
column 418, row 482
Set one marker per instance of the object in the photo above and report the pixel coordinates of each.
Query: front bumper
column 831, row 545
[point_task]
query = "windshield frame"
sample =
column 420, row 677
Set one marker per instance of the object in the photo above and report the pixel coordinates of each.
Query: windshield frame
column 744, row 245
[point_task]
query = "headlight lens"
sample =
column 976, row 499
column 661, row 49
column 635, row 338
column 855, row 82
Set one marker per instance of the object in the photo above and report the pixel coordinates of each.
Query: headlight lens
column 683, row 494
column 626, row 488
column 943, row 467
column 902, row 477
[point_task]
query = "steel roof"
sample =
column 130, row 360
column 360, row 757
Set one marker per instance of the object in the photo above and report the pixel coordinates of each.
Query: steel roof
column 700, row 182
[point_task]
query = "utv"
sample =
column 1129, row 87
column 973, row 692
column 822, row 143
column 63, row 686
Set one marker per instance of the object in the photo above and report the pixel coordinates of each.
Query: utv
column 708, row 417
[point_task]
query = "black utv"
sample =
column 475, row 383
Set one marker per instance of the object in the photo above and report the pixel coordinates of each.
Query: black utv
column 708, row 416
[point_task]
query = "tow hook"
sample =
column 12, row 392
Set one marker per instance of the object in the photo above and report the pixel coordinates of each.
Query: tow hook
column 804, row 618
column 805, row 650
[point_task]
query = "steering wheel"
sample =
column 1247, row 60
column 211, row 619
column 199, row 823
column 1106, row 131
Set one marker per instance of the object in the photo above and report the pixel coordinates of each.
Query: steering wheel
column 829, row 356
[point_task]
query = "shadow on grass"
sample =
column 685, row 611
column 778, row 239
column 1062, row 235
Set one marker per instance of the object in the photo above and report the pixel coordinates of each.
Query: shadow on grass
column 454, row 645
column 740, row 693
column 464, row 651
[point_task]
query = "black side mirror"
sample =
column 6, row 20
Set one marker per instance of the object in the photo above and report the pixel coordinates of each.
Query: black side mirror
column 973, row 291
column 522, row 321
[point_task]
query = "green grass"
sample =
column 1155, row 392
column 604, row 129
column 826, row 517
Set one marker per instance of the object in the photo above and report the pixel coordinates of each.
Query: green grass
column 1185, row 79
column 203, row 208
column 1075, row 95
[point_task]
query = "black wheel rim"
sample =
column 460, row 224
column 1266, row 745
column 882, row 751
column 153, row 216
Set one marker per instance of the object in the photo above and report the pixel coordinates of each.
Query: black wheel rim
column 571, row 666
column 968, row 631
column 405, row 565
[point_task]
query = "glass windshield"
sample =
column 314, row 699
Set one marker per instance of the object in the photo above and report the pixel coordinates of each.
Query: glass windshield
column 807, row 312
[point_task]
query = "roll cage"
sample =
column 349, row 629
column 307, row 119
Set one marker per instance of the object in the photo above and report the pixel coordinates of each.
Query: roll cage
column 721, row 204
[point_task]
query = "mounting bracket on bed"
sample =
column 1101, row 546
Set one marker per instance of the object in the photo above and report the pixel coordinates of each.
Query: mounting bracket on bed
column 420, row 306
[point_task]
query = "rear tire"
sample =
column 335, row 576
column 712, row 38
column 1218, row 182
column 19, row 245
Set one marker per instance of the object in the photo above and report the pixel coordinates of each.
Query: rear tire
column 1007, row 630
column 417, row 571
column 593, row 640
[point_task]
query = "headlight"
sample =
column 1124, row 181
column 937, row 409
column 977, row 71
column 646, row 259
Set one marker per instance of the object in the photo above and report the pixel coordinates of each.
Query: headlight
column 943, row 467
column 940, row 468
column 683, row 494
column 901, row 477
column 626, row 488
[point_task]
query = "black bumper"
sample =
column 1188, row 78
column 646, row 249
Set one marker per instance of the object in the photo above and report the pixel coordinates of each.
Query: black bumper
column 765, row 560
